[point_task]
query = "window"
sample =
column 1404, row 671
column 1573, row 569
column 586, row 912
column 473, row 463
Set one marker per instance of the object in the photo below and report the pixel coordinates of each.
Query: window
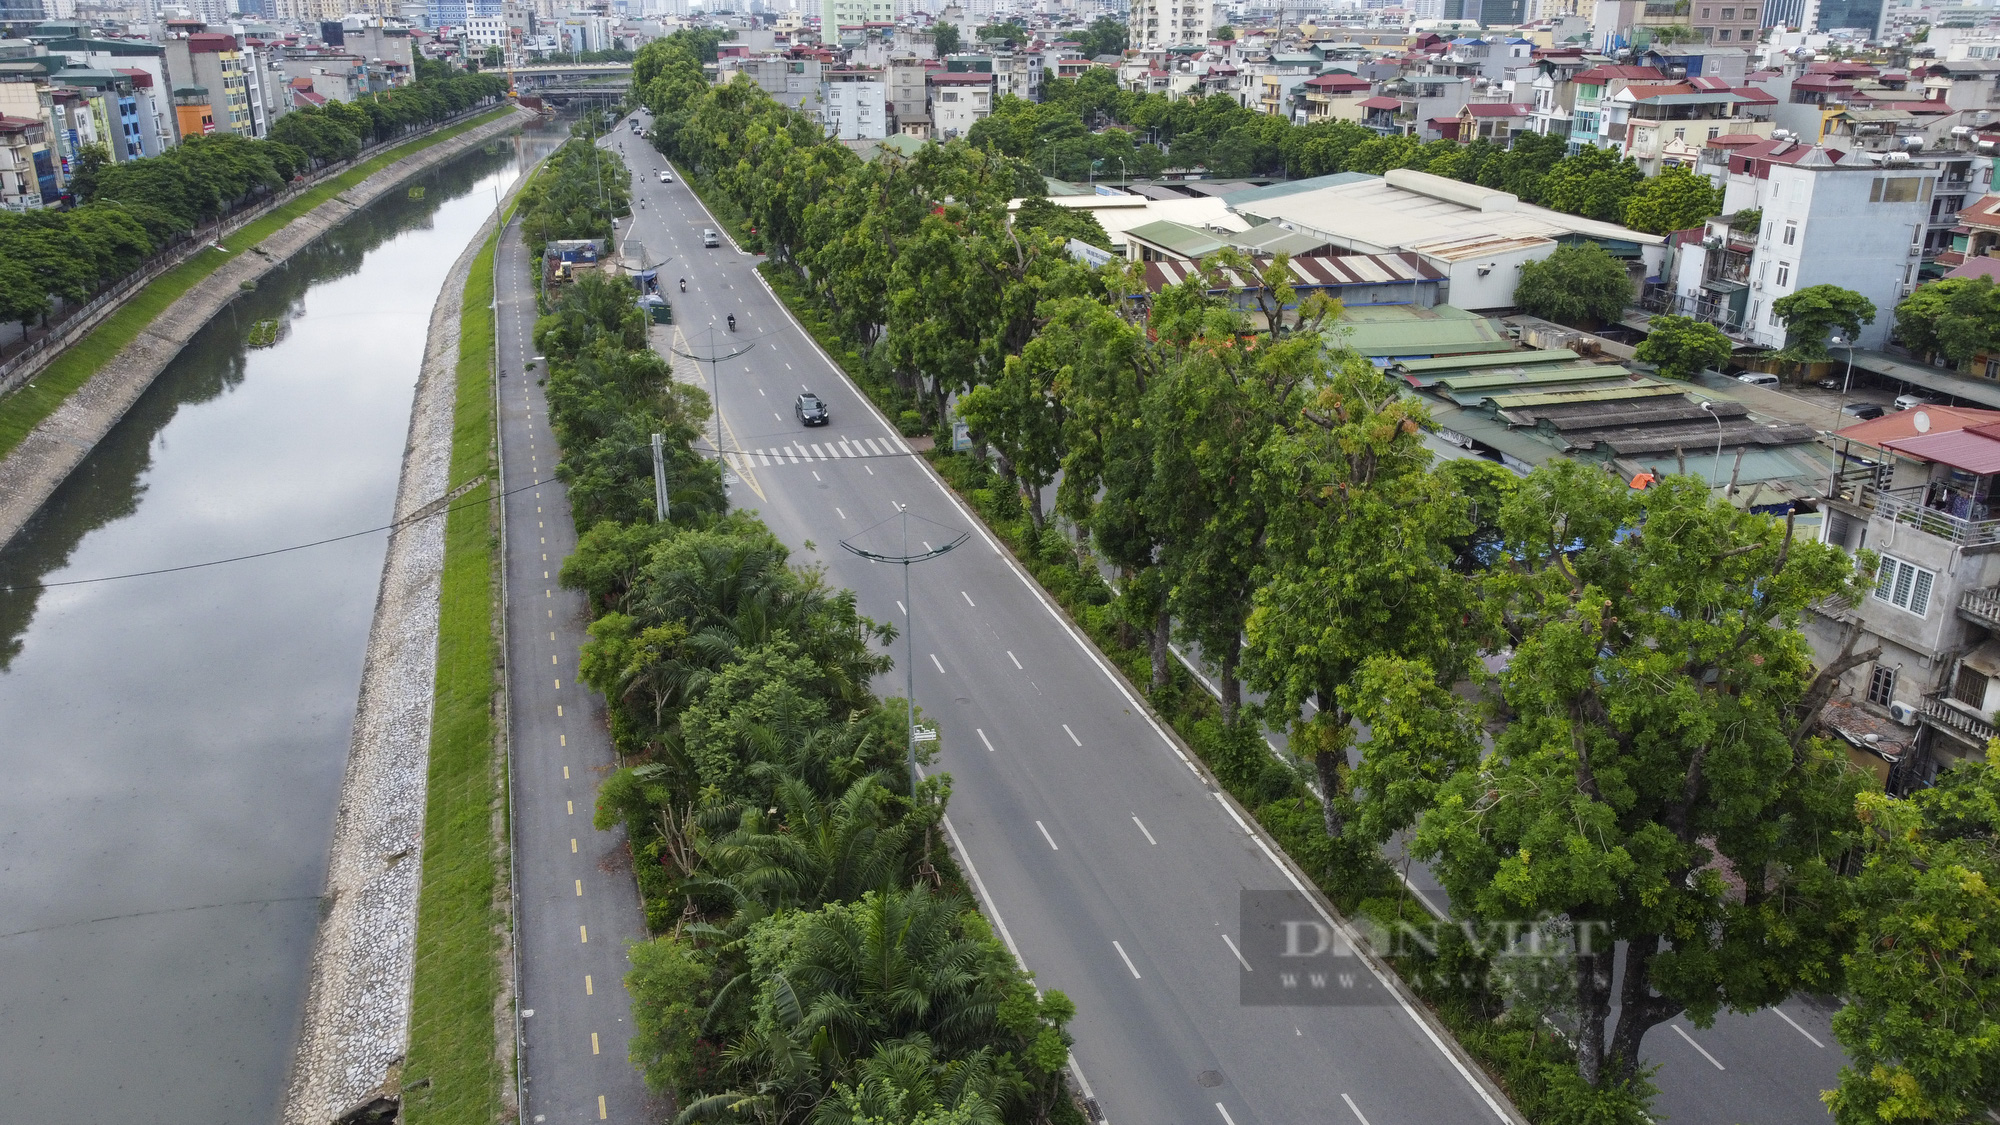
column 1904, row 586
column 1722, row 36
column 1728, row 14
column 1970, row 687
column 1791, row 232
column 1749, row 15
column 1895, row 189
column 1993, row 369
column 1714, row 131
column 1784, row 274
column 1882, row 685
column 1704, row 13
column 1681, row 133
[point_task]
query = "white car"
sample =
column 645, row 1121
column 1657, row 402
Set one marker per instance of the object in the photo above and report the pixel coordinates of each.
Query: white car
column 666, row 177
column 1758, row 378
column 1911, row 402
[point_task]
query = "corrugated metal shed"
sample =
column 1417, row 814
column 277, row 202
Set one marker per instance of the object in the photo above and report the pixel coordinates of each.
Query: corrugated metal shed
column 1415, row 371
column 1968, row 449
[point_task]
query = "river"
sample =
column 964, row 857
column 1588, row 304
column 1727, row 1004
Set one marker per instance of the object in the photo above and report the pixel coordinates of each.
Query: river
column 172, row 745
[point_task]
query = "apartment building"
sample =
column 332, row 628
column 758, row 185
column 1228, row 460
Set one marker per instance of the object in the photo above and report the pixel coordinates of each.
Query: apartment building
column 854, row 104
column 27, row 175
column 213, row 62
column 1171, row 23
column 958, row 101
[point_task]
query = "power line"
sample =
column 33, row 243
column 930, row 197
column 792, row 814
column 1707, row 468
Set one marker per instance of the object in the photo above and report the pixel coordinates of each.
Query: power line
column 419, row 516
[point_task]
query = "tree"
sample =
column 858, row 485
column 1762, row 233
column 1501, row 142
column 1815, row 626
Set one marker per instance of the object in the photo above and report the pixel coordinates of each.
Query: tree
column 1957, row 318
column 90, row 161
column 1345, row 477
column 1020, row 415
column 1676, row 199
column 1660, row 783
column 1063, row 223
column 1577, row 285
column 1106, row 35
column 1922, row 1021
column 1680, row 346
column 1815, row 312
column 1225, row 33
column 1593, row 182
column 945, row 37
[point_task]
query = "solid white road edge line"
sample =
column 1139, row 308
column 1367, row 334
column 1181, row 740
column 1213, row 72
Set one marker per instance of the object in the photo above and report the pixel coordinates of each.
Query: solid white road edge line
column 1091, row 654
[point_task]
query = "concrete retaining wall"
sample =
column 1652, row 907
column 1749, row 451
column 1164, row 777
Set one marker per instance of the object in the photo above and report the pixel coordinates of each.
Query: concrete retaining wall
column 31, row 473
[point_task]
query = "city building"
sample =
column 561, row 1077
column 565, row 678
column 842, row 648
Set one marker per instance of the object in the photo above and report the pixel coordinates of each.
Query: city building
column 213, row 62
column 855, row 104
column 1170, row 23
column 958, row 101
column 27, row 175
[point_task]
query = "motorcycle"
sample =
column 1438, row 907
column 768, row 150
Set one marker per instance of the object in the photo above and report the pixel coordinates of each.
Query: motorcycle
column 684, row 285
column 732, row 322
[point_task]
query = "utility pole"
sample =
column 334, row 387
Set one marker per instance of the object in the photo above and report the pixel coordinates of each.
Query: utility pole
column 715, row 383
column 904, row 558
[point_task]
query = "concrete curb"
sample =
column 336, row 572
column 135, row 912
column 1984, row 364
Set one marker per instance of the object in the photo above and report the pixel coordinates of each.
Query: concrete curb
column 32, row 472
column 355, row 1028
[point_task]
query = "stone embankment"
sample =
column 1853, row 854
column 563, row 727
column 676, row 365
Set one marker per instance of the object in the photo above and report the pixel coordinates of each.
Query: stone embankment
column 354, row 1032
column 33, row 470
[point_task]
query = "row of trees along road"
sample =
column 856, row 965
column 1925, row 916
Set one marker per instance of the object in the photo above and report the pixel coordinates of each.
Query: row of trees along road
column 128, row 211
column 815, row 958
column 1654, row 775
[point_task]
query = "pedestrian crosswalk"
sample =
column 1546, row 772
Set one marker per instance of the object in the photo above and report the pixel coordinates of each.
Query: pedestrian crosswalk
column 802, row 451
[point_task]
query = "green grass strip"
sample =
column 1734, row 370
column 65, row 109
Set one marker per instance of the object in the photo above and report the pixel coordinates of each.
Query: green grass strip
column 454, row 1074
column 28, row 405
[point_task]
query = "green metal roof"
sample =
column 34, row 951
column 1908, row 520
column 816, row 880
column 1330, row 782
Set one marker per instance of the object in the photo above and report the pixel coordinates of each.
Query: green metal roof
column 1581, row 394
column 1457, row 363
column 1550, row 374
column 1179, row 238
column 1385, row 331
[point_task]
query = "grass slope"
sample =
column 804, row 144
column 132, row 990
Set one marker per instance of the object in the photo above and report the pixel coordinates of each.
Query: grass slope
column 23, row 410
column 453, row 1049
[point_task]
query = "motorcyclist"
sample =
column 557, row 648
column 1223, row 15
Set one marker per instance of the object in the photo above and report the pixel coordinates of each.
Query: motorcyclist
column 684, row 285
column 732, row 322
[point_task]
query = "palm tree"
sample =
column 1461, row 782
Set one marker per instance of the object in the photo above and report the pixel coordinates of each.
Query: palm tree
column 815, row 851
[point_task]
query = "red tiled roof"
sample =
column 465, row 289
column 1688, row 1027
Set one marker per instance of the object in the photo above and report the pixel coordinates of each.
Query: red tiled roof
column 1977, row 267
column 1901, row 424
column 1974, row 448
column 212, row 43
column 1499, row 109
column 1337, row 81
column 1985, row 212
column 1751, row 95
column 17, row 123
column 1602, row 74
column 1380, row 103
column 1821, row 82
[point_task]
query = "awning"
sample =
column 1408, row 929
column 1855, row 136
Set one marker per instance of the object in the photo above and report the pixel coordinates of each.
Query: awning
column 1985, row 659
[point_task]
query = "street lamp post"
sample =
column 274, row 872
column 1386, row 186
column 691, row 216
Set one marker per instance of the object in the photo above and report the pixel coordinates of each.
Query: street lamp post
column 715, row 385
column 905, row 558
column 1715, row 474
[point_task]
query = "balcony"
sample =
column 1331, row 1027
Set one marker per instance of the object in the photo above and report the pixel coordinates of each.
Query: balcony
column 1906, row 506
column 1955, row 718
column 1981, row 607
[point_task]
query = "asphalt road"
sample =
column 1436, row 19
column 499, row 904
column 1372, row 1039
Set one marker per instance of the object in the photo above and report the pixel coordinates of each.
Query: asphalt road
column 1113, row 866
column 1110, row 862
column 578, row 903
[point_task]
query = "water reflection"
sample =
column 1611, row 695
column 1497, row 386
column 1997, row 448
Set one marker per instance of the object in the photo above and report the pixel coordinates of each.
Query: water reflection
column 173, row 745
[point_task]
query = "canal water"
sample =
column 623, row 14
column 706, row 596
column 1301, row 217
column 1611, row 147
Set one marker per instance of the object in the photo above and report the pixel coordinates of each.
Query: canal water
column 172, row 745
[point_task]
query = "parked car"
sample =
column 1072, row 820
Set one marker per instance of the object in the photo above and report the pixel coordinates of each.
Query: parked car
column 1911, row 402
column 1863, row 410
column 1830, row 383
column 1758, row 378
column 811, row 411
column 709, row 237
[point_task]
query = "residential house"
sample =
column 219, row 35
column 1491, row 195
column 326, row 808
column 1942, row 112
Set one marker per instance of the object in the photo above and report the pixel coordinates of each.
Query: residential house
column 1168, row 23
column 1594, row 105
column 1333, row 96
column 1845, row 223
column 1498, row 122
column 1668, row 124
column 213, row 62
column 1977, row 234
column 1695, row 60
column 908, row 94
column 1918, row 488
column 855, row 104
column 23, row 158
column 1724, row 22
column 1415, row 103
column 958, row 101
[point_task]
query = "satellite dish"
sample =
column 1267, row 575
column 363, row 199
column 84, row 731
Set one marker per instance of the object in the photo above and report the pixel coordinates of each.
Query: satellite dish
column 1922, row 422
